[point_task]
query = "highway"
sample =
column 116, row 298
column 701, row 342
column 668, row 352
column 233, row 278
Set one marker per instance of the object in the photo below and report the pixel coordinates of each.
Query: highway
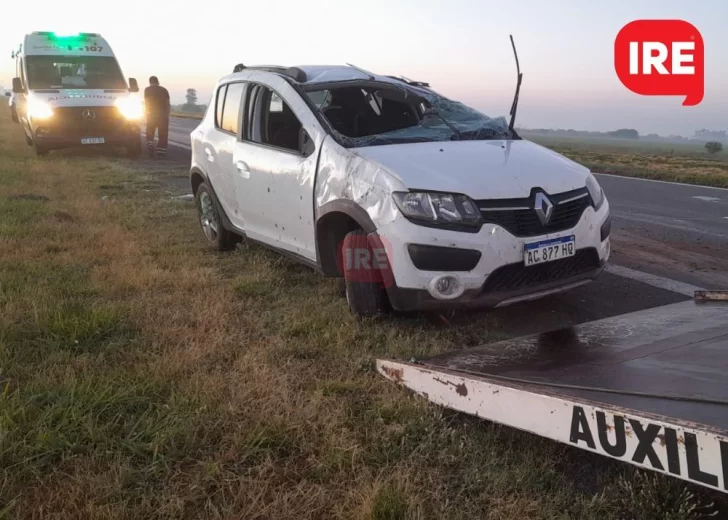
column 667, row 229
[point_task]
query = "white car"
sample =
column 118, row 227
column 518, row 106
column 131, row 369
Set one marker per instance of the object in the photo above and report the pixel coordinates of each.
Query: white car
column 417, row 201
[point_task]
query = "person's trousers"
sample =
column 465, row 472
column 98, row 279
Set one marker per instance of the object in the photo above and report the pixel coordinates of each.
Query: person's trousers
column 158, row 125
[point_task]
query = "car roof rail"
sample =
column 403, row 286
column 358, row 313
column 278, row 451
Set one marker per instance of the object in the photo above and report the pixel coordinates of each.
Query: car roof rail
column 294, row 73
column 410, row 82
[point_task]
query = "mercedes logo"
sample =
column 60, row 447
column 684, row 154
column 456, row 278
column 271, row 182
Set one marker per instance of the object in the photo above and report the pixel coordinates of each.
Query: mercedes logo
column 88, row 114
column 544, row 208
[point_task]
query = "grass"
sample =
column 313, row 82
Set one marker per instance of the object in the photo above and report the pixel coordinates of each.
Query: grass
column 679, row 162
column 144, row 376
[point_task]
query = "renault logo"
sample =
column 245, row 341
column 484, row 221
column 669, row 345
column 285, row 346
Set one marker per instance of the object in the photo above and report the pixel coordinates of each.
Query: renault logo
column 88, row 114
column 544, row 208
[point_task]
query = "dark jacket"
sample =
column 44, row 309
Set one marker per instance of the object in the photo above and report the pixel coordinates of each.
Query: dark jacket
column 156, row 101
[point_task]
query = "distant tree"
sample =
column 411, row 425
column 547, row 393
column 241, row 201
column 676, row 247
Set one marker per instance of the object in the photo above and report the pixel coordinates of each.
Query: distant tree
column 625, row 133
column 191, row 97
column 711, row 135
column 713, row 146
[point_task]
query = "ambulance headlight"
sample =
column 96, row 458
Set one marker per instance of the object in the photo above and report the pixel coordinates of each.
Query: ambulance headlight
column 130, row 108
column 39, row 109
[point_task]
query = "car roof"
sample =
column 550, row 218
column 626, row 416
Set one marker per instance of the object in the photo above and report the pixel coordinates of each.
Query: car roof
column 310, row 75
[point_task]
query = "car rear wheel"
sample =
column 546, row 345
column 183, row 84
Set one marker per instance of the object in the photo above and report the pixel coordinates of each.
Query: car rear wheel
column 218, row 238
column 365, row 292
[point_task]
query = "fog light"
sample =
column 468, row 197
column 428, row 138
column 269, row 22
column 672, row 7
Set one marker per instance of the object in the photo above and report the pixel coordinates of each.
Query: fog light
column 446, row 287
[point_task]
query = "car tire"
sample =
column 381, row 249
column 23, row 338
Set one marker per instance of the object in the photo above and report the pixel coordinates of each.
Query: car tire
column 218, row 238
column 365, row 293
column 14, row 115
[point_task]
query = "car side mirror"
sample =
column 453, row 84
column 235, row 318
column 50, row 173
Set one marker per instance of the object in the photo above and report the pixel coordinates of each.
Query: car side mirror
column 18, row 86
column 133, row 85
column 305, row 143
column 8, row 94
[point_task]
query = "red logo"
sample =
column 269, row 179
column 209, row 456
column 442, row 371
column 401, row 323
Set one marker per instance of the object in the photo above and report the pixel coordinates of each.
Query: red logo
column 366, row 259
column 661, row 58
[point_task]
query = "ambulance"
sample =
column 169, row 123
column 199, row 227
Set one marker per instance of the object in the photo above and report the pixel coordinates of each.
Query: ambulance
column 69, row 91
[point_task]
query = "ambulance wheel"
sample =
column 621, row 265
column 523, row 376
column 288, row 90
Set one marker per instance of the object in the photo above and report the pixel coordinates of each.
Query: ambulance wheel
column 14, row 115
column 134, row 150
column 28, row 141
column 40, row 150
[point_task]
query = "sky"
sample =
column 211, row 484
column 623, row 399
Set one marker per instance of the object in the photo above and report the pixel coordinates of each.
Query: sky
column 460, row 47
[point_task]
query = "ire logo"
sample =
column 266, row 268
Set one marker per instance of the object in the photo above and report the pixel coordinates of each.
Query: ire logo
column 661, row 58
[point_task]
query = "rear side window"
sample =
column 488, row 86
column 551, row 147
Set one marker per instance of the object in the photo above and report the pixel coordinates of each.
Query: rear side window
column 274, row 123
column 231, row 108
column 219, row 104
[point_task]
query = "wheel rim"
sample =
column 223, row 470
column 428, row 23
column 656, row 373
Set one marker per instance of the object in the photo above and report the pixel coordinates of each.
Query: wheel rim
column 208, row 216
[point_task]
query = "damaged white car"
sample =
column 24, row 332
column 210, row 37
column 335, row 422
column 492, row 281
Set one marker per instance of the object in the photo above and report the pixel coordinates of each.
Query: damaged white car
column 418, row 202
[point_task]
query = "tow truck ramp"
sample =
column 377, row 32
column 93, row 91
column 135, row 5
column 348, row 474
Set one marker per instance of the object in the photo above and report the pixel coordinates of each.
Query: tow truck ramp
column 649, row 388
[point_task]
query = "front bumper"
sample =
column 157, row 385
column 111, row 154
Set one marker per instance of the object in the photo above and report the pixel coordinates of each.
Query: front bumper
column 500, row 277
column 66, row 128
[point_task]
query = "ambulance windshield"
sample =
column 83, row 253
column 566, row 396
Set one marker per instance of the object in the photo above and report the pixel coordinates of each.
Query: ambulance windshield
column 74, row 72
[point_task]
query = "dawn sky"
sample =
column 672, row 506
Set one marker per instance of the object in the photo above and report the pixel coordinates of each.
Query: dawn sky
column 460, row 47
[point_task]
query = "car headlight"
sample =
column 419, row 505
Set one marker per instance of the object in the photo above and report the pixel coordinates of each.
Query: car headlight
column 130, row 108
column 441, row 209
column 595, row 191
column 39, row 109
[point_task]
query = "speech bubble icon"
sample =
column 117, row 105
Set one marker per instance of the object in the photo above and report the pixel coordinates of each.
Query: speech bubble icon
column 661, row 58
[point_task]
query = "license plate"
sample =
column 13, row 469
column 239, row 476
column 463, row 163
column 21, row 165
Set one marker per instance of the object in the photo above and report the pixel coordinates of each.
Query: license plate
column 92, row 140
column 549, row 250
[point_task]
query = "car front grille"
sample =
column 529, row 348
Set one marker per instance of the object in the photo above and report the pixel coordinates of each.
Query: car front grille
column 76, row 114
column 518, row 276
column 70, row 122
column 519, row 218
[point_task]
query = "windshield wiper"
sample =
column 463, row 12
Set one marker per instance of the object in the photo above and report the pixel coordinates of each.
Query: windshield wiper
column 432, row 112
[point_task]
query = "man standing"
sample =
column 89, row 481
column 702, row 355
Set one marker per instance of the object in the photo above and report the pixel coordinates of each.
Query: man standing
column 156, row 102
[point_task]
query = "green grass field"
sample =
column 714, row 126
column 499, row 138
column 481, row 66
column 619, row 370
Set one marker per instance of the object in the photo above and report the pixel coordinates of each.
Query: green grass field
column 680, row 162
column 144, row 376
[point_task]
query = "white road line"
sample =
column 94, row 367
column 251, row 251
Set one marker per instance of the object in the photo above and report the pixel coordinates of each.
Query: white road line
column 707, row 199
column 697, row 186
column 655, row 281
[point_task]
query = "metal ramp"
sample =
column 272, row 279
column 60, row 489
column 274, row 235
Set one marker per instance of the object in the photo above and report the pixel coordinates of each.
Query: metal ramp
column 649, row 388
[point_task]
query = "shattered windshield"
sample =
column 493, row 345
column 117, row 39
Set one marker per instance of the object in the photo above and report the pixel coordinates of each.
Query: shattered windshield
column 376, row 115
column 77, row 72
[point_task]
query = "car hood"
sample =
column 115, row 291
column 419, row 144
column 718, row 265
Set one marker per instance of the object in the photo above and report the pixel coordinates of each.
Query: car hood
column 80, row 97
column 480, row 169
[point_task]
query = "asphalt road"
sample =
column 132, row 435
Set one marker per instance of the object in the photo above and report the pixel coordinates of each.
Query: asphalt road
column 673, row 230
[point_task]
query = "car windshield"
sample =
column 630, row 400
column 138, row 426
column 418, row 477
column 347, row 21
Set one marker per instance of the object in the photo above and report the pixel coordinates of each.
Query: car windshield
column 375, row 115
column 76, row 72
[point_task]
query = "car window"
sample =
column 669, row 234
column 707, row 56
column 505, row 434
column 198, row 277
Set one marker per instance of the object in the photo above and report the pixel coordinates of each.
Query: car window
column 219, row 104
column 275, row 124
column 231, row 109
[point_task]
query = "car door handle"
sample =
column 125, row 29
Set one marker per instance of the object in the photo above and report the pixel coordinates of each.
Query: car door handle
column 243, row 169
column 209, row 155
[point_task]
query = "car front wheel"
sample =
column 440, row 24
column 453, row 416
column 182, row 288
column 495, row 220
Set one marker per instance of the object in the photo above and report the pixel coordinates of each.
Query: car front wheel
column 218, row 238
column 365, row 291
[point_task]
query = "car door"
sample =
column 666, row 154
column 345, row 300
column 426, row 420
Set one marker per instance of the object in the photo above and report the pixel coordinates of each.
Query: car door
column 276, row 163
column 218, row 149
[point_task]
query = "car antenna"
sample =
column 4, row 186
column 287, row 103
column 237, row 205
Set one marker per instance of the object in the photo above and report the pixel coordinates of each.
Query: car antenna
column 371, row 76
column 514, row 106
